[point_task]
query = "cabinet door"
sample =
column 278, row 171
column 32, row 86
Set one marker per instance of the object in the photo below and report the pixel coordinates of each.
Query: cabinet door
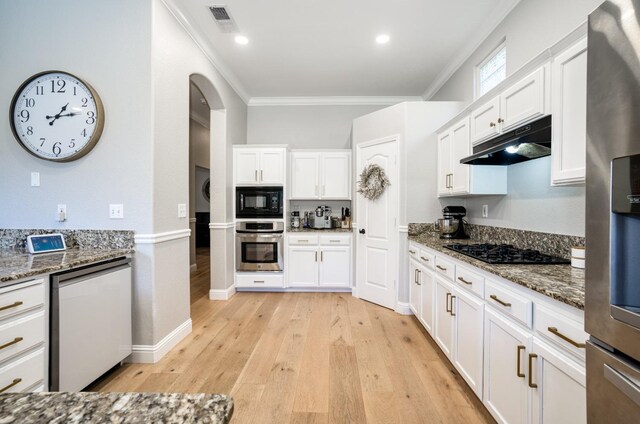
column 427, row 281
column 523, row 101
column 444, row 319
column 415, row 292
column 305, row 171
column 302, row 268
column 247, row 164
column 444, row 163
column 484, row 120
column 468, row 332
column 461, row 148
column 272, row 166
column 336, row 176
column 505, row 361
column 335, row 266
column 560, row 395
column 569, row 100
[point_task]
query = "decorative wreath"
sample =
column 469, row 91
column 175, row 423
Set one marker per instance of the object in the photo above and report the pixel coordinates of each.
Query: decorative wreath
column 373, row 182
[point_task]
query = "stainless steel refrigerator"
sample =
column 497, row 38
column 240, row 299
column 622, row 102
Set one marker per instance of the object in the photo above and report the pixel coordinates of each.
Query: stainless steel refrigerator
column 612, row 308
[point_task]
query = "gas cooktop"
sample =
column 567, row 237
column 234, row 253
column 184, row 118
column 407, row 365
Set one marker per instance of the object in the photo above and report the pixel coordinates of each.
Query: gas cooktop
column 506, row 254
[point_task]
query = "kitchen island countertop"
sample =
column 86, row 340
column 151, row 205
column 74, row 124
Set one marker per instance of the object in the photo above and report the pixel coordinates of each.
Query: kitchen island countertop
column 560, row 282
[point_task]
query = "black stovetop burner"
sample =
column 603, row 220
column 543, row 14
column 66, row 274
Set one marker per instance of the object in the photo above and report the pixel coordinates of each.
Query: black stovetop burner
column 506, row 254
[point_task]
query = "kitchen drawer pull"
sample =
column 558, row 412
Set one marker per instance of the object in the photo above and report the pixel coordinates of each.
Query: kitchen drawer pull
column 413, row 252
column 15, row 382
column 13, row 305
column 452, row 313
column 531, row 383
column 334, row 241
column 303, row 241
column 465, row 281
column 518, row 349
column 11, row 343
column 442, row 268
column 554, row 331
column 415, row 276
column 258, row 281
column 502, row 302
column 448, row 296
column 424, row 259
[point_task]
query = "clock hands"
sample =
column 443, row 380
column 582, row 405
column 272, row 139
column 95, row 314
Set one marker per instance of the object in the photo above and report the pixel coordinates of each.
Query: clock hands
column 60, row 114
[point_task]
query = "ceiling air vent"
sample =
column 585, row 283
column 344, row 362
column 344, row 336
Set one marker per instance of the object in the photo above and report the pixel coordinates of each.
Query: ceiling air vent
column 223, row 19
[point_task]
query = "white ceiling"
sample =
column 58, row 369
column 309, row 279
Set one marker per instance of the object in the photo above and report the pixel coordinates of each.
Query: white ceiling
column 316, row 48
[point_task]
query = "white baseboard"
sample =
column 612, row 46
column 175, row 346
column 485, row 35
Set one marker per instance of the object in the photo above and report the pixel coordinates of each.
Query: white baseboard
column 222, row 294
column 194, row 267
column 150, row 354
column 403, row 308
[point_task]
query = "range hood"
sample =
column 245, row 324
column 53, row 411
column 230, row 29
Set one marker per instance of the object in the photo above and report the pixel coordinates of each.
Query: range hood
column 530, row 141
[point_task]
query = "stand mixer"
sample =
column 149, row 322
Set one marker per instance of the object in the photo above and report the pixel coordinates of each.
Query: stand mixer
column 451, row 225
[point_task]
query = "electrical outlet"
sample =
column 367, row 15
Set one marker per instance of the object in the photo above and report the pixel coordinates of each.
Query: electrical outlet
column 116, row 211
column 61, row 215
column 182, row 210
column 35, row 179
column 485, row 211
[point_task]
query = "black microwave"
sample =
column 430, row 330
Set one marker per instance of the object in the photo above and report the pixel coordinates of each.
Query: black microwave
column 259, row 202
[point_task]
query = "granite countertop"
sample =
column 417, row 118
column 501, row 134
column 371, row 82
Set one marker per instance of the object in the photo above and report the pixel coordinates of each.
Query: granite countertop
column 86, row 407
column 16, row 264
column 560, row 282
column 319, row 230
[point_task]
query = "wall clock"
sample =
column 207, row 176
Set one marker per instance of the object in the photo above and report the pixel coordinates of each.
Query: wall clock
column 56, row 116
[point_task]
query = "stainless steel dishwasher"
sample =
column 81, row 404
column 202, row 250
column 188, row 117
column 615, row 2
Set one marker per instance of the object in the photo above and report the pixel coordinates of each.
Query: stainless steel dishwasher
column 90, row 323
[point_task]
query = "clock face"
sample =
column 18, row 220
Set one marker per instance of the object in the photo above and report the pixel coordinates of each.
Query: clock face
column 56, row 116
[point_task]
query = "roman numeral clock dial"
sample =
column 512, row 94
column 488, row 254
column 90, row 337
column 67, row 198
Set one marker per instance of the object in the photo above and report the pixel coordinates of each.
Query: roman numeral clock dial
column 57, row 116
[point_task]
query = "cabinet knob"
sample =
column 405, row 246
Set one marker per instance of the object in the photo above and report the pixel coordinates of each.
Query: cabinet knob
column 491, row 124
column 500, row 120
column 362, row 231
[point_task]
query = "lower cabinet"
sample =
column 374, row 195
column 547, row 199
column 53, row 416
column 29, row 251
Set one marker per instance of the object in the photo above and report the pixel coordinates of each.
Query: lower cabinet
column 303, row 266
column 335, row 266
column 443, row 333
column 427, row 287
column 415, row 289
column 319, row 261
column 468, row 343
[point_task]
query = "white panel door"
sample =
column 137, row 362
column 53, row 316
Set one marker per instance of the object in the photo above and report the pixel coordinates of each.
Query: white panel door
column 523, row 101
column 468, row 346
column 272, row 166
column 505, row 359
column 302, row 269
column 444, row 163
column 247, row 164
column 484, row 120
column 415, row 290
column 427, row 281
column 461, row 148
column 305, row 171
column 569, row 102
column 443, row 333
column 377, row 243
column 335, row 266
column 336, row 176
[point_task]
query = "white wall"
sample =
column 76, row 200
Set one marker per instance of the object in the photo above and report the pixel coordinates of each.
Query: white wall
column 304, row 127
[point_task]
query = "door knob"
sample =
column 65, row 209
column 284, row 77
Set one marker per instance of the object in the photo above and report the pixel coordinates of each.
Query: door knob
column 362, row 231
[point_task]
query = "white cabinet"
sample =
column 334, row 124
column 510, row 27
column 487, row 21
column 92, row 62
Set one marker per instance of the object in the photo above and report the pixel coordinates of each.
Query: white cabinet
column 335, row 266
column 468, row 344
column 445, row 162
column 443, row 333
column 427, row 286
column 569, row 102
column 303, row 266
column 319, row 261
column 415, row 290
column 259, row 166
column 320, row 175
column 484, row 120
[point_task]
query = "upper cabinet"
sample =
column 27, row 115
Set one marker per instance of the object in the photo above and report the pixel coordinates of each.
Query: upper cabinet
column 569, row 97
column 259, row 166
column 320, row 175
column 523, row 101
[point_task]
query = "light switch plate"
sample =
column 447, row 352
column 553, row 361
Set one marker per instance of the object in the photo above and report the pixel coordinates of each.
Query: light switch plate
column 61, row 213
column 116, row 211
column 35, row 179
column 182, row 210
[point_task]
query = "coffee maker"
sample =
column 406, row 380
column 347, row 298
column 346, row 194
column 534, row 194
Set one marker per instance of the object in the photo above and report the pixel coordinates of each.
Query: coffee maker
column 451, row 225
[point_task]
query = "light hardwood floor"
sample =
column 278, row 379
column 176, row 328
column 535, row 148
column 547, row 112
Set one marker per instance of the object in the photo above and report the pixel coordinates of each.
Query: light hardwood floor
column 307, row 358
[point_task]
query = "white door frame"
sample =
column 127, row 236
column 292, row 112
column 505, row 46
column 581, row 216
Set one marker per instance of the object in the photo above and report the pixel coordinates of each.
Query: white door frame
column 396, row 138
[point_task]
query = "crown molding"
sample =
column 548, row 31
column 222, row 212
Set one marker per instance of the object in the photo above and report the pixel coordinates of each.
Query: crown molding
column 332, row 101
column 475, row 41
column 211, row 55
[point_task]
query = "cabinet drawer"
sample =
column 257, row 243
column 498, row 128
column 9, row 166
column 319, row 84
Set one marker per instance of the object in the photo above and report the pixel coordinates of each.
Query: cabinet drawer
column 257, row 280
column 23, row 373
column 414, row 251
column 303, row 239
column 509, row 302
column 470, row 280
column 335, row 240
column 427, row 259
column 18, row 335
column 561, row 330
column 20, row 299
column 445, row 268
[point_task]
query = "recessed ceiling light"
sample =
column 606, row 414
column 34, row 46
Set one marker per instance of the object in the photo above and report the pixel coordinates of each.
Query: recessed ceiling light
column 382, row 39
column 241, row 39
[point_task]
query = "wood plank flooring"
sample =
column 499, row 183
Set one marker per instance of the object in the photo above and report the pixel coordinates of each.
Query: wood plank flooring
column 306, row 358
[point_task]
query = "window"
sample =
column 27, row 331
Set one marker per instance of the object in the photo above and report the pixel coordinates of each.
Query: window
column 491, row 71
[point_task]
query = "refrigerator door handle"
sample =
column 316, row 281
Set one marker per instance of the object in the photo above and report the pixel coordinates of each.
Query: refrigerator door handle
column 623, row 383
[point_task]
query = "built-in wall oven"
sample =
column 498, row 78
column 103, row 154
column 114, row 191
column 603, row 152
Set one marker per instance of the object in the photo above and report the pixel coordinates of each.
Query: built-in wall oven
column 259, row 202
column 259, row 246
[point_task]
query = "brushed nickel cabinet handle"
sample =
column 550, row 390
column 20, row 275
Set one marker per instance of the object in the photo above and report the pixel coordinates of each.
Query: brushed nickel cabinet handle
column 258, row 281
column 555, row 332
column 303, row 241
column 334, row 241
column 531, row 383
column 256, row 177
column 452, row 313
column 13, row 305
column 518, row 349
column 316, row 256
column 13, row 383
column 261, row 176
column 448, row 297
column 11, row 343
column 413, row 252
column 321, row 255
column 418, row 280
column 502, row 302
column 441, row 268
column 424, row 259
column 465, row 281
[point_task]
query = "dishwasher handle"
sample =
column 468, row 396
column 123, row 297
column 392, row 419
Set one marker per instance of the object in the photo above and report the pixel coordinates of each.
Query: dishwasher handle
column 59, row 280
